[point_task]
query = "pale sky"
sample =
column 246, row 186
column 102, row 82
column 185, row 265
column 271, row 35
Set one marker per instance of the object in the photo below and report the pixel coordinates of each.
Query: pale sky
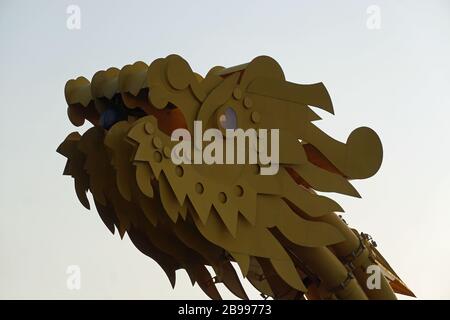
column 395, row 79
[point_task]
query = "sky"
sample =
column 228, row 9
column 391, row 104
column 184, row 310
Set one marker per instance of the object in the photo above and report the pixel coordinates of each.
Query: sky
column 394, row 78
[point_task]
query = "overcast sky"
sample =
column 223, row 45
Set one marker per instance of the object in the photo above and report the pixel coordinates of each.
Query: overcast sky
column 395, row 79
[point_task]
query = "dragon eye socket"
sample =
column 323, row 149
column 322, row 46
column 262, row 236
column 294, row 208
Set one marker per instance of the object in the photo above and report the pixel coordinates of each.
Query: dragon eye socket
column 228, row 119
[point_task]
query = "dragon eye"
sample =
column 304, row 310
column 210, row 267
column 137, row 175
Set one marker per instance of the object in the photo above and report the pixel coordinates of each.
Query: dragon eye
column 228, row 119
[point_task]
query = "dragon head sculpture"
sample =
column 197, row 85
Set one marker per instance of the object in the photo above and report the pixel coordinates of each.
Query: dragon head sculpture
column 287, row 239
